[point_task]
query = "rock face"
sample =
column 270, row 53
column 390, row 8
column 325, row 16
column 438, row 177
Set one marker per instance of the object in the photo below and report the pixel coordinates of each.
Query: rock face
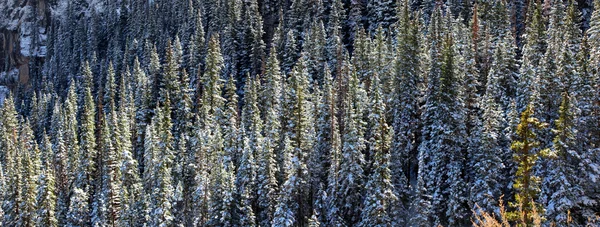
column 23, row 26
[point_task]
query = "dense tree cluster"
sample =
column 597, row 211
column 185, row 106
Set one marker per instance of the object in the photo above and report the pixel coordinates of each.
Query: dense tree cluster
column 306, row 113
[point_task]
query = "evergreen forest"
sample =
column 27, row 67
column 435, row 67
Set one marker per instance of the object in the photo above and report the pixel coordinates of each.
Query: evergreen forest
column 309, row 113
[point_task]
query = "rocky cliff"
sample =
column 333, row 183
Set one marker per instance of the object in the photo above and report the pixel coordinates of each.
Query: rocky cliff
column 23, row 32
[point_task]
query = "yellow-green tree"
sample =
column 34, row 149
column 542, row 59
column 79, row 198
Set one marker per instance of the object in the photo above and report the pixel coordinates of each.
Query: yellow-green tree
column 527, row 151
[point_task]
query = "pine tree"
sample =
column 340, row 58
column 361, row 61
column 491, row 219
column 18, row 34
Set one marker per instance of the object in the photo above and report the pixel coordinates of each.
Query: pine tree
column 272, row 109
column 351, row 172
column 319, row 161
column 222, row 189
column 142, row 98
column 379, row 191
column 382, row 64
column 444, row 129
column 212, row 75
column 405, row 103
column 245, row 183
column 111, row 173
column 77, row 215
column 301, row 136
column 285, row 211
column 46, row 199
column 230, row 125
column 526, row 153
column 266, row 181
column 12, row 197
column 334, row 45
column 197, row 48
column 131, row 191
column 163, row 189
column 70, row 136
column 564, row 185
column 170, row 83
column 289, row 53
column 87, row 130
column 314, row 47
column 487, row 158
column 533, row 50
column 361, row 56
column 587, row 122
column 381, row 14
column 30, row 162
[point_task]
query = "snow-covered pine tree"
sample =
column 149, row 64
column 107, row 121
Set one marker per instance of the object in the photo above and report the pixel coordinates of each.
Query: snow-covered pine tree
column 314, row 47
column 222, row 189
column 319, row 161
column 428, row 165
column 46, row 199
column 245, row 180
column 405, row 107
column 351, row 170
column 331, row 209
column 266, row 181
column 12, row 197
column 300, row 131
column 170, row 83
column 29, row 159
column 361, row 56
column 454, row 141
column 383, row 61
column 111, row 171
column 252, row 145
column 286, row 209
column 379, row 191
column 230, row 125
column 289, row 52
column 70, row 136
column 196, row 49
column 487, row 159
column 213, row 84
column 381, row 14
column 588, row 103
column 563, row 184
column 533, row 51
column 142, row 97
column 78, row 211
column 87, row 130
column 131, row 191
column 334, row 46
